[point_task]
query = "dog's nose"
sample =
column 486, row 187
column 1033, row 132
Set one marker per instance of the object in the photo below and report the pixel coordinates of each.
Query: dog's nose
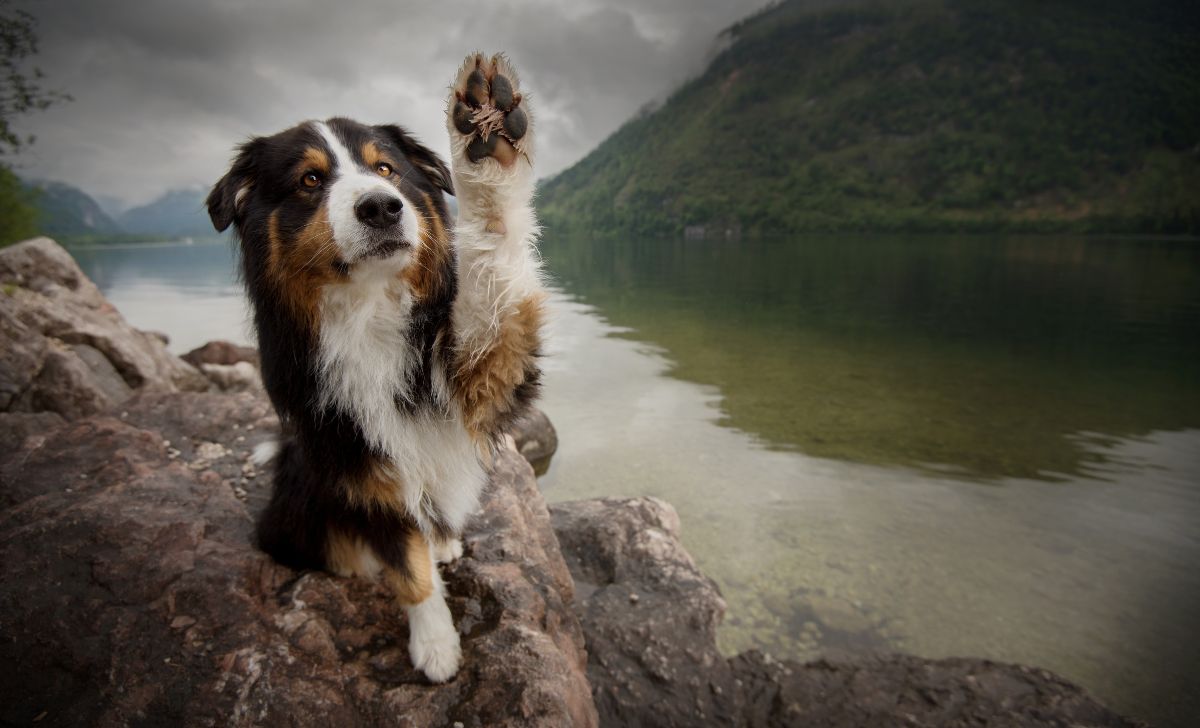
column 378, row 209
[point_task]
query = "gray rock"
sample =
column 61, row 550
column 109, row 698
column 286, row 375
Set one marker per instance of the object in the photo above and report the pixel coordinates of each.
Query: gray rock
column 653, row 659
column 160, row 335
column 21, row 354
column 221, row 352
column 47, row 293
column 536, row 439
column 16, row 426
column 75, row 381
column 43, row 266
column 233, row 377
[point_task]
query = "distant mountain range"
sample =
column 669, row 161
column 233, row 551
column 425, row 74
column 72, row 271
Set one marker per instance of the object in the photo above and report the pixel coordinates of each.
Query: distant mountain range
column 921, row 115
column 65, row 211
column 177, row 213
column 68, row 213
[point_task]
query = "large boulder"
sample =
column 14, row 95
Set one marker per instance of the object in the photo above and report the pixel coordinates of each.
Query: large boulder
column 16, row 426
column 222, row 353
column 132, row 589
column 133, row 593
column 649, row 614
column 650, row 618
column 230, row 367
column 64, row 348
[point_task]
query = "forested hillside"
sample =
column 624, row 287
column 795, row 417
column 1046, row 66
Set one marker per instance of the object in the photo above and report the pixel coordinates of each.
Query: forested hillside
column 924, row 115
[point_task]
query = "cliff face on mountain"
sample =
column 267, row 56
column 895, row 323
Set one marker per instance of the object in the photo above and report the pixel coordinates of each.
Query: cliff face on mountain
column 923, row 115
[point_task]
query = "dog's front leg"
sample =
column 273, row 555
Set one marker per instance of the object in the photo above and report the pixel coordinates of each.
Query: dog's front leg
column 498, row 312
column 407, row 565
column 433, row 643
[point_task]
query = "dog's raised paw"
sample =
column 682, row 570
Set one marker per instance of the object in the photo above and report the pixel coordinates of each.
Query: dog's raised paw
column 488, row 110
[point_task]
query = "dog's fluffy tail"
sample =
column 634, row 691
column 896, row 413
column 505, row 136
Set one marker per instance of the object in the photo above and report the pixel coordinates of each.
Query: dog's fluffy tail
column 265, row 452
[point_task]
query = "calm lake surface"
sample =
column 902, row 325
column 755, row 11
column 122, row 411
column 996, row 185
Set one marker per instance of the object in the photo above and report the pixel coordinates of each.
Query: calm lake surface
column 971, row 446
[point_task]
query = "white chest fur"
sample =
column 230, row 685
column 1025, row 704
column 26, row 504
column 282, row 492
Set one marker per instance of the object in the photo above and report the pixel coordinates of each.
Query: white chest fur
column 366, row 364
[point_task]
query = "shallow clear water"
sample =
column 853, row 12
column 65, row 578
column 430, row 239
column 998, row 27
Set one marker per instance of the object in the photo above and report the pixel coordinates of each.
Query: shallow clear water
column 985, row 447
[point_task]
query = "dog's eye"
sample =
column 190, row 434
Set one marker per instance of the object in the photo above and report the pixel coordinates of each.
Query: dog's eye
column 311, row 180
column 384, row 169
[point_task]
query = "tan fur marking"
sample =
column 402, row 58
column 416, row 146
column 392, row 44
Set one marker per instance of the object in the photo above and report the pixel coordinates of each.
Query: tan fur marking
column 424, row 276
column 486, row 389
column 373, row 155
column 346, row 555
column 377, row 491
column 417, row 585
column 301, row 265
column 315, row 160
column 275, row 245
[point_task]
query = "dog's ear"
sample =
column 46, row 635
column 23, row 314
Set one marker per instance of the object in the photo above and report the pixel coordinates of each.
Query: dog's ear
column 421, row 156
column 223, row 202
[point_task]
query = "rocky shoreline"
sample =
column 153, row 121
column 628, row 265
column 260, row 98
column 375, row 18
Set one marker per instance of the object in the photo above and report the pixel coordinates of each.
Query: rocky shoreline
column 132, row 593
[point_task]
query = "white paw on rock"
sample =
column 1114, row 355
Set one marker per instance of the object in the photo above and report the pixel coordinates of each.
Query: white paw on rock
column 438, row 656
column 433, row 641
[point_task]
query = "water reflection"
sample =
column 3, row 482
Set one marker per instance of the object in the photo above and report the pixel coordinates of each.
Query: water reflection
column 978, row 357
column 1092, row 578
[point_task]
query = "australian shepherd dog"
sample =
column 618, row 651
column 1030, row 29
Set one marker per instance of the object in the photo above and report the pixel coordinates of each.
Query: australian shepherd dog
column 397, row 346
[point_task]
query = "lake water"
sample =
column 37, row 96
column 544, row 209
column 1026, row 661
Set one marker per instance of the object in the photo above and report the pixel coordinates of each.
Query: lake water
column 973, row 446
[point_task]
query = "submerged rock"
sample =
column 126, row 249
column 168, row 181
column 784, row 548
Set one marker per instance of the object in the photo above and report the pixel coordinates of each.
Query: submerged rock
column 650, row 618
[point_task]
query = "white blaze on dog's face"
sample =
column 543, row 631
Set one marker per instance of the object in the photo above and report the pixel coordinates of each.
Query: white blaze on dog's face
column 368, row 212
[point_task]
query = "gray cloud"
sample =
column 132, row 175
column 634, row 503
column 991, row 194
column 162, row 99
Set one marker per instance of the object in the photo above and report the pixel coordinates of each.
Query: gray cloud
column 164, row 90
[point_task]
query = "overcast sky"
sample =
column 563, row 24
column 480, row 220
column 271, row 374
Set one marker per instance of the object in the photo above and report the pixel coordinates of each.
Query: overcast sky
column 164, row 90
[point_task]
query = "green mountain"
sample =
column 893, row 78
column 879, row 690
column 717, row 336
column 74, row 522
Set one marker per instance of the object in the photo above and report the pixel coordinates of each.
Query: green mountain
column 67, row 212
column 177, row 213
column 927, row 115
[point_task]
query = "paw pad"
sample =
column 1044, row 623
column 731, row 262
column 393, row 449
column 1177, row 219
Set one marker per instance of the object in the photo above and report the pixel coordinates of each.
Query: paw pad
column 487, row 107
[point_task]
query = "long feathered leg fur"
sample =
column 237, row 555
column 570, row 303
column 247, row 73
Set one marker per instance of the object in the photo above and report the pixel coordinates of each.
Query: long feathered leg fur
column 498, row 312
column 496, row 317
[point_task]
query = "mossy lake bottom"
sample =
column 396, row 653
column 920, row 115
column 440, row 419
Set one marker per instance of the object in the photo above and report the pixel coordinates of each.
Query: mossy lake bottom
column 944, row 446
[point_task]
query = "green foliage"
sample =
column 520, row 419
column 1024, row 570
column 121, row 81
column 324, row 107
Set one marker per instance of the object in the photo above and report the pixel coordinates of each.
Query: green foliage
column 18, row 217
column 20, row 93
column 20, row 90
column 950, row 115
